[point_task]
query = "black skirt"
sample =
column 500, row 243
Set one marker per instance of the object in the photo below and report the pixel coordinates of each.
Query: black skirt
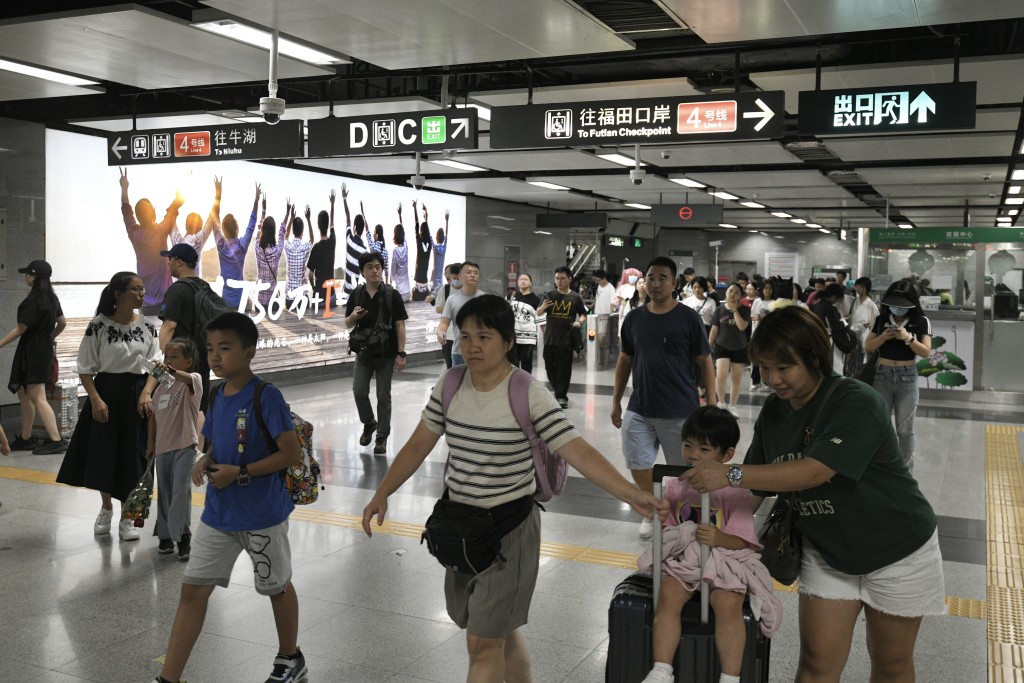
column 33, row 360
column 109, row 457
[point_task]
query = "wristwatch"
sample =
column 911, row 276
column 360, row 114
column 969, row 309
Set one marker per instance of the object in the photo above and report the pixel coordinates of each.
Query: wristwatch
column 735, row 475
column 401, row 354
column 244, row 478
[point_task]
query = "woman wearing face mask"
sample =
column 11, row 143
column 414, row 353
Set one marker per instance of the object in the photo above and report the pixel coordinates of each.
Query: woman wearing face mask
column 901, row 334
column 624, row 292
column 700, row 302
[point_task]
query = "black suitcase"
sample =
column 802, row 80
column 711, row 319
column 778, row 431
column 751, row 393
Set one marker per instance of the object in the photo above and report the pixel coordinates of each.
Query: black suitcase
column 630, row 623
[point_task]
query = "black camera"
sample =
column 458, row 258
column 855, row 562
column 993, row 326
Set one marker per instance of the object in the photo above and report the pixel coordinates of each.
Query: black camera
column 373, row 342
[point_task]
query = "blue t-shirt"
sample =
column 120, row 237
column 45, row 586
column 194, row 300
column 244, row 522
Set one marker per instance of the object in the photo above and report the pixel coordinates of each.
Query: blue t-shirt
column 264, row 502
column 664, row 347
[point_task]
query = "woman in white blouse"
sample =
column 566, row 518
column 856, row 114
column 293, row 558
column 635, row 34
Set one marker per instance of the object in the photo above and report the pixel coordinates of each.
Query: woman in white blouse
column 107, row 450
column 700, row 302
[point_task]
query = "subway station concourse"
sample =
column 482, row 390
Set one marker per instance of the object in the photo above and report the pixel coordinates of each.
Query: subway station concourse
column 794, row 139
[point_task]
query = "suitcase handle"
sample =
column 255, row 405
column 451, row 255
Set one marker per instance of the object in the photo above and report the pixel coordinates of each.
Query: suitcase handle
column 659, row 473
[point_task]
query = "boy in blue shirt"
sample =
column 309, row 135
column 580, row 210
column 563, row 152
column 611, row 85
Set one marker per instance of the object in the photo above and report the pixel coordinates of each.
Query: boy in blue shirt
column 247, row 506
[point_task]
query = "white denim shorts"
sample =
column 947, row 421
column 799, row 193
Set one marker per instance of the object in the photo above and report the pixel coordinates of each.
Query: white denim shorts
column 911, row 587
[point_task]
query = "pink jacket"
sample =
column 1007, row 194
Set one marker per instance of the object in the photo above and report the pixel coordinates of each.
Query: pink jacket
column 732, row 570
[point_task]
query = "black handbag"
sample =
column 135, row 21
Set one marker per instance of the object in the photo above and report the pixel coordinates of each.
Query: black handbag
column 782, row 545
column 466, row 538
column 866, row 373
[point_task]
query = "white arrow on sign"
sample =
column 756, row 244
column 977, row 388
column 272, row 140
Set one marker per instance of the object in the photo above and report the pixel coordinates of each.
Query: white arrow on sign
column 922, row 104
column 118, row 148
column 461, row 126
column 765, row 114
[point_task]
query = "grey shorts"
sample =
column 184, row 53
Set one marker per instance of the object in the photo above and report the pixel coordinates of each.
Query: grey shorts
column 641, row 437
column 496, row 601
column 214, row 553
column 911, row 587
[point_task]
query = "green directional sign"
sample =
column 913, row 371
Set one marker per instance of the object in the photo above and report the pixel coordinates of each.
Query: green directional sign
column 434, row 130
column 946, row 235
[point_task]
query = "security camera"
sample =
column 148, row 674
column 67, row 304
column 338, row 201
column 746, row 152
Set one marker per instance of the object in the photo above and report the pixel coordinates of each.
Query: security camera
column 987, row 177
column 449, row 153
column 271, row 109
column 665, row 154
column 637, row 175
column 417, row 181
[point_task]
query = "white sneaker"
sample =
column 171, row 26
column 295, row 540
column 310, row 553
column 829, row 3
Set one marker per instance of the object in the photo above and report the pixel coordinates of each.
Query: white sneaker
column 732, row 409
column 721, row 404
column 754, row 387
column 646, row 529
column 659, row 676
column 102, row 525
column 127, row 531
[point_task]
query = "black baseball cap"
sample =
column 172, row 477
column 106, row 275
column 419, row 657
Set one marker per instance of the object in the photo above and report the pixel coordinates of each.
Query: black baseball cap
column 182, row 251
column 898, row 300
column 39, row 268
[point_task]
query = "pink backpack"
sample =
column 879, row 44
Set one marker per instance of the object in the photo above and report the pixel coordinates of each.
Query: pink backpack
column 550, row 470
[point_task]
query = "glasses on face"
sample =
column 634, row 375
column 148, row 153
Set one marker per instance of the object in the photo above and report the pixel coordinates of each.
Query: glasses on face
column 138, row 290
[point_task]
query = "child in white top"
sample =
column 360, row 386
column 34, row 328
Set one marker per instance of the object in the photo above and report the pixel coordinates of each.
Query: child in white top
column 172, row 439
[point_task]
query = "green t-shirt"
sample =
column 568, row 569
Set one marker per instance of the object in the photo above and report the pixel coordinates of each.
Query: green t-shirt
column 871, row 513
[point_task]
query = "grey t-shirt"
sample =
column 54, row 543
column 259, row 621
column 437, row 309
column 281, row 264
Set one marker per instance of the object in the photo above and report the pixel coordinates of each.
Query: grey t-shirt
column 452, row 304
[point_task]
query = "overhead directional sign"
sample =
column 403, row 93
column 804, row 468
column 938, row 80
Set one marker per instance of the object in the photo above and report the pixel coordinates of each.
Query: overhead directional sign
column 946, row 235
column 687, row 215
column 737, row 116
column 893, row 109
column 416, row 131
column 206, row 143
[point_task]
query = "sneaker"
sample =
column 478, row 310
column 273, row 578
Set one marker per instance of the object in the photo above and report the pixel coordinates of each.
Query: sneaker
column 646, row 529
column 380, row 447
column 368, row 430
column 20, row 444
column 185, row 545
column 755, row 387
column 563, row 403
column 127, row 531
column 721, row 405
column 732, row 409
column 102, row 525
column 658, row 676
column 288, row 669
column 166, row 546
column 51, row 448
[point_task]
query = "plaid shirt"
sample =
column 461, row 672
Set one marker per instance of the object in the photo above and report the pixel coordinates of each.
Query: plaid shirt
column 297, row 253
column 378, row 247
column 267, row 260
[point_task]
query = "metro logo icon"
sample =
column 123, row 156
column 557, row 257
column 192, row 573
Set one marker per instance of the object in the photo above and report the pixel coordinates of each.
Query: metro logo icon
column 558, row 124
column 705, row 117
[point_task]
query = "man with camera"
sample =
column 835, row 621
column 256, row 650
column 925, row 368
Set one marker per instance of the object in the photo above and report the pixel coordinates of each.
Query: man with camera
column 376, row 312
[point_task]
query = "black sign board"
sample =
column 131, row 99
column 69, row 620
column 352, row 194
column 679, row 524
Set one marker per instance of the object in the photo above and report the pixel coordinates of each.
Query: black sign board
column 687, row 215
column 893, row 109
column 206, row 143
column 736, row 116
column 413, row 131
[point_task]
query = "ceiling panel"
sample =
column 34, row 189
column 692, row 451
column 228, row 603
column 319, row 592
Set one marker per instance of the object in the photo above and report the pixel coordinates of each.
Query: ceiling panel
column 736, row 20
column 619, row 90
column 718, row 154
column 923, row 147
column 950, row 175
column 15, row 86
column 804, row 202
column 366, row 166
column 743, row 181
column 1000, row 79
column 141, row 48
column 399, row 34
column 535, row 161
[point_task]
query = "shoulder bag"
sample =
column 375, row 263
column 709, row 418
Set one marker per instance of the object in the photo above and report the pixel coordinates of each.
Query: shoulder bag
column 782, row 544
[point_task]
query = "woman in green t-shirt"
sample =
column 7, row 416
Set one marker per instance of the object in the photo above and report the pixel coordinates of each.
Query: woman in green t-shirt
column 870, row 538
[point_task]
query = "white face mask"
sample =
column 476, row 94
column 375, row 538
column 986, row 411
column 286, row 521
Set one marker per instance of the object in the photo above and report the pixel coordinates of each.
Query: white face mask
column 632, row 279
column 456, row 283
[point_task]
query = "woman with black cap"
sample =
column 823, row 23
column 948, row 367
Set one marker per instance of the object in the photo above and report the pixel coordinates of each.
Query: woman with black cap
column 40, row 320
column 901, row 334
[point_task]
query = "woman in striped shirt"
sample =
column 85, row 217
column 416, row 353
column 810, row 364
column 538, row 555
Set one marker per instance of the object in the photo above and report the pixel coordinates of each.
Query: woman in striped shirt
column 491, row 465
column 268, row 253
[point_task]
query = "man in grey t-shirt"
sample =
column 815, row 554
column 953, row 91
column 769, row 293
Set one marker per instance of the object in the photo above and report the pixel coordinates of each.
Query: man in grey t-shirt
column 470, row 276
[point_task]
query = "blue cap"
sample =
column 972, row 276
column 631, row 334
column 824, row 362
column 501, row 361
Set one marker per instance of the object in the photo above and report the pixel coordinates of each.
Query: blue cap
column 182, row 251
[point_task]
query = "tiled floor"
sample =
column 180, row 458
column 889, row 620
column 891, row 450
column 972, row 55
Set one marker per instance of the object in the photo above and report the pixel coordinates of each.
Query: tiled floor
column 81, row 608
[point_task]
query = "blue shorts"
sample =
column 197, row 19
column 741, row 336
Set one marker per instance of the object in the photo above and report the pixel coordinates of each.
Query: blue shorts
column 641, row 437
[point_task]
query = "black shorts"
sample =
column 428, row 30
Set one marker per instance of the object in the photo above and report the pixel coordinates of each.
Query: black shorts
column 739, row 357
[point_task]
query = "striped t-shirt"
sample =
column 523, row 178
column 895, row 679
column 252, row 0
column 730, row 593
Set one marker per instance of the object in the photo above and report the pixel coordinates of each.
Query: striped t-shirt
column 490, row 459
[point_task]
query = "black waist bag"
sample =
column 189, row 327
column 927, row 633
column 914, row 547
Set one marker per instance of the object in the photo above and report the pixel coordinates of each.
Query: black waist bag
column 466, row 538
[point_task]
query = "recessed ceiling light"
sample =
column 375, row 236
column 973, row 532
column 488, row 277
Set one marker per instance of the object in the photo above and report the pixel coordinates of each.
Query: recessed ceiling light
column 1014, row 189
column 686, row 182
column 46, row 74
column 824, row 231
column 501, row 218
column 782, row 214
column 813, row 225
column 484, row 113
column 779, row 237
column 1004, row 219
column 726, row 225
column 637, row 205
column 722, row 194
column 617, row 158
column 752, row 205
column 1015, row 200
column 261, row 39
column 541, row 232
column 1017, row 175
column 460, row 165
column 906, row 226
column 1022, row 148
column 546, row 185
column 1013, row 212
column 801, row 221
column 755, row 231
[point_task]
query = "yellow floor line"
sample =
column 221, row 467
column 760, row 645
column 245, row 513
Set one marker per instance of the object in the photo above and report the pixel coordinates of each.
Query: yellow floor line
column 961, row 607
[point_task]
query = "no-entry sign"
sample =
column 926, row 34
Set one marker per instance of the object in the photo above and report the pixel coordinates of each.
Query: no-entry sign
column 686, row 215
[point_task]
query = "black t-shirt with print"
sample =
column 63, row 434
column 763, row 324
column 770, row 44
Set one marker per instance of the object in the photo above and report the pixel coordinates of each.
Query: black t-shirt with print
column 894, row 349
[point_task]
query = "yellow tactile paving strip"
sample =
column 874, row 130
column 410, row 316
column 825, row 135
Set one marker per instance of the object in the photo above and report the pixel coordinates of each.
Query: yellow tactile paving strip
column 961, row 607
column 1004, row 488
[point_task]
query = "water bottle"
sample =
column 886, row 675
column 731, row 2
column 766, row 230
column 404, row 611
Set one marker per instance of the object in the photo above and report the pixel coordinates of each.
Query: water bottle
column 162, row 376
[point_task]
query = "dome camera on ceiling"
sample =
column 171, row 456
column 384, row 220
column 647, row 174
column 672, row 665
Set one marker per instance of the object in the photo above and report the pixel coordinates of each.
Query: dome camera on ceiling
column 637, row 176
column 271, row 109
